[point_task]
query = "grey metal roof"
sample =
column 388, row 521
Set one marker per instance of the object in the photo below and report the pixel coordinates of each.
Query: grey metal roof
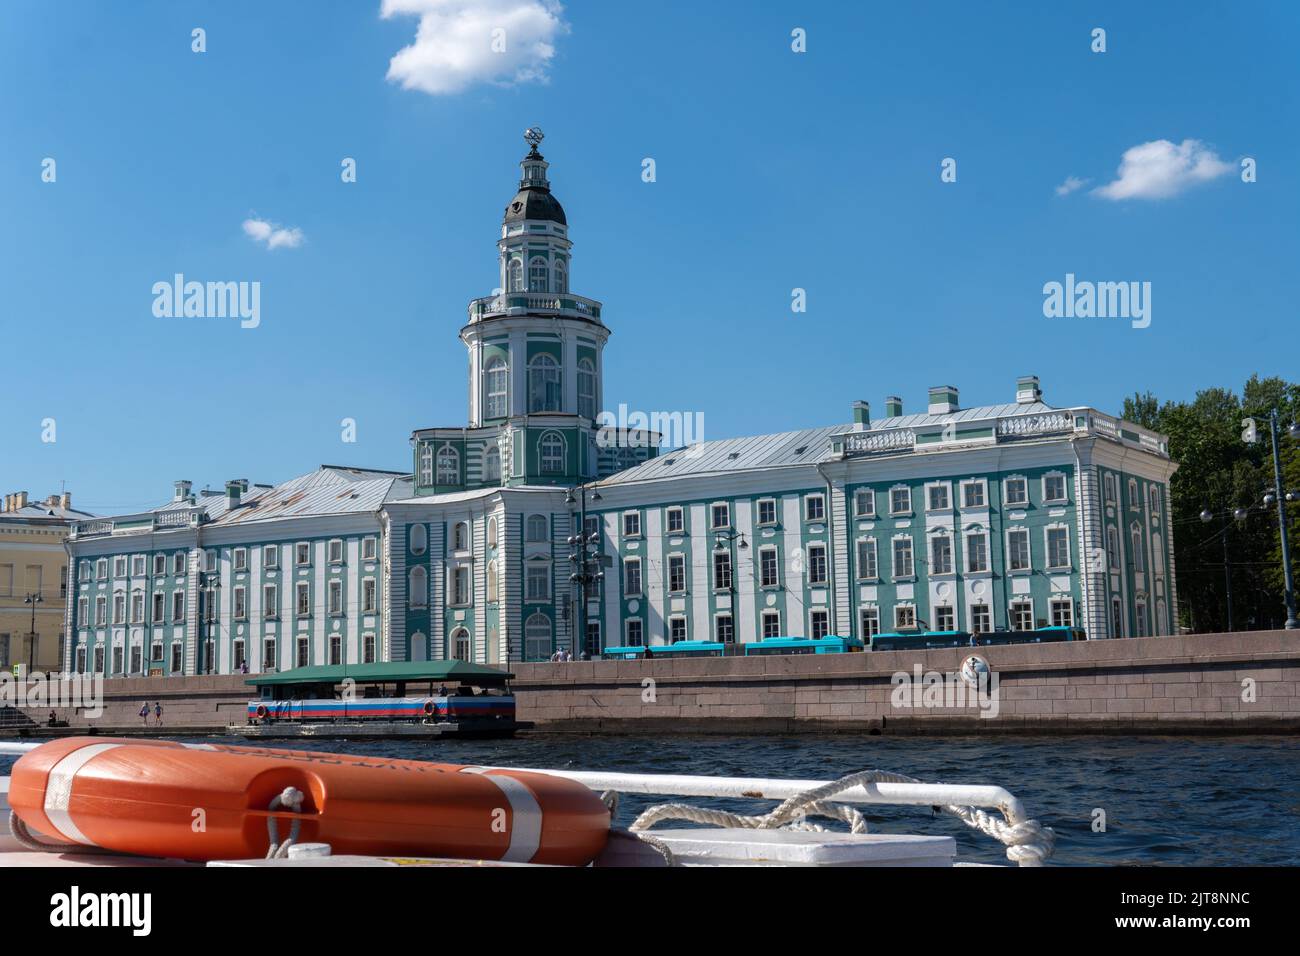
column 979, row 413
column 329, row 490
column 42, row 509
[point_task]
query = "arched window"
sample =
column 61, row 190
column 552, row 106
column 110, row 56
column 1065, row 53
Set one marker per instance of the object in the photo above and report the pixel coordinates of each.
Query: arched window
column 496, row 385
column 492, row 532
column 426, row 464
column 492, row 464
column 537, row 275
column 417, row 590
column 515, row 278
column 586, row 389
column 419, row 539
column 492, row 585
column 448, row 466
column 460, row 644
column 1112, row 549
column 1135, row 534
column 552, row 453
column 1157, row 555
column 537, row 637
column 561, row 276
column 543, row 384
column 460, row 537
column 535, row 529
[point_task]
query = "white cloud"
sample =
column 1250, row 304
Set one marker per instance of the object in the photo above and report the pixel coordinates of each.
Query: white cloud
column 462, row 42
column 273, row 236
column 1159, row 169
column 1070, row 185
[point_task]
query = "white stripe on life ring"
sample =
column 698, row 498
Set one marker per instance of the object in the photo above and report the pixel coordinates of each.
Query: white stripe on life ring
column 525, row 816
column 58, row 789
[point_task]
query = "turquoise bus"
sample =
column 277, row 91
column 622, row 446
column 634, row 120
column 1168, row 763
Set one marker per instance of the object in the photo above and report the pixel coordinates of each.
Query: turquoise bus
column 920, row 640
column 1041, row 635
column 802, row 645
column 660, row 652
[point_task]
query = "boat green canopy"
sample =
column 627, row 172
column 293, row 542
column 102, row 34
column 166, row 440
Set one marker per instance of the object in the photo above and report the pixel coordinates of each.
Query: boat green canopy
column 388, row 673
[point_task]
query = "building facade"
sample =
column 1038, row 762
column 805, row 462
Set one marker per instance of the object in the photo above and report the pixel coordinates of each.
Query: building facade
column 1007, row 516
column 34, row 579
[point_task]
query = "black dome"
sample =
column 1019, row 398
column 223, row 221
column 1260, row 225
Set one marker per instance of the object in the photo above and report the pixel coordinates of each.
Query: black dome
column 535, row 202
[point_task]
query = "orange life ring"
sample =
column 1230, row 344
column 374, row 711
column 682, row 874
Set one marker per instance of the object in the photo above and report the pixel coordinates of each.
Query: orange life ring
column 141, row 797
column 429, row 708
column 261, row 711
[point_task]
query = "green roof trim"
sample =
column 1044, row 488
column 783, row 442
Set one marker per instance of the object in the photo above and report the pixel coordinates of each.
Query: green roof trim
column 385, row 673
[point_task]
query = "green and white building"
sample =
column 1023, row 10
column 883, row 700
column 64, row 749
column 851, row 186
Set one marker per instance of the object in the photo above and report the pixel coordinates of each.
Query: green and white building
column 1004, row 516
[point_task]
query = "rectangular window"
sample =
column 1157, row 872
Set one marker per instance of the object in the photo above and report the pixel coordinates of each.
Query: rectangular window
column 101, row 568
column 239, row 559
column 303, row 657
column 302, row 554
column 159, row 607
column 270, row 601
column 815, row 508
column 1015, row 491
column 973, row 495
column 117, row 659
column 336, row 597
column 460, row 583
column 900, row 501
column 239, row 655
column 869, row 621
column 1018, row 550
column 945, row 619
column 368, row 595
column 303, row 598
column 369, row 548
column 159, row 565
column 119, row 567
column 178, row 606
column 1108, row 483
column 768, row 576
column 210, row 560
column 119, row 608
column 1022, row 616
column 1062, row 613
column 905, row 617
column 864, row 503
column 632, row 524
column 767, row 511
column 721, row 515
column 241, row 603
column 538, row 582
column 676, row 572
column 368, row 648
column 1140, row 619
column 178, row 563
column 721, row 570
column 726, row 632
column 977, row 553
column 268, row 654
column 903, row 558
column 83, row 571
column 336, row 552
column 1054, row 487
column 336, row 649
column 270, row 556
column 867, row 569
column 137, row 663
column 941, row 554
column 820, row 624
column 816, row 564
column 937, row 498
column 981, row 619
column 1058, row 548
column 137, row 607
column 632, row 576
column 83, row 608
column 177, row 651
column 771, row 624
column 675, row 520
column 101, row 611
column 635, row 632
column 137, row 565
column 676, row 629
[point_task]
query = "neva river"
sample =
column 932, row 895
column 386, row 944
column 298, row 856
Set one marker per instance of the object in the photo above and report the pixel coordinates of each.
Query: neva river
column 1168, row 801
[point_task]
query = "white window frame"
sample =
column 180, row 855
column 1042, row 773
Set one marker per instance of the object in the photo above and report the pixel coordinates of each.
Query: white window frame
column 807, row 508
column 1023, row 482
column 676, row 511
column 910, row 573
column 677, row 559
column 907, row 606
column 759, row 512
column 983, row 486
column 861, row 496
column 631, row 524
column 713, row 515
column 870, row 543
column 628, row 563
column 764, row 552
column 967, row 535
column 945, row 535
column 931, row 489
column 909, row 510
column 1047, row 547
column 1020, row 533
column 1065, row 488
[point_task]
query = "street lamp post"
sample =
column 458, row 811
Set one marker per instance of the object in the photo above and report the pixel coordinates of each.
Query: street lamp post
column 585, row 560
column 1282, row 498
column 723, row 540
column 32, row 637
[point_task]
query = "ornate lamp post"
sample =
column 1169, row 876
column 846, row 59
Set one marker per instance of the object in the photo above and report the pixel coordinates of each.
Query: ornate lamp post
column 722, row 542
column 587, row 566
column 32, row 637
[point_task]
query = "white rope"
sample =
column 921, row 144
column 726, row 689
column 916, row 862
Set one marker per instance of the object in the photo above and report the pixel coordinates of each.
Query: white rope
column 1028, row 843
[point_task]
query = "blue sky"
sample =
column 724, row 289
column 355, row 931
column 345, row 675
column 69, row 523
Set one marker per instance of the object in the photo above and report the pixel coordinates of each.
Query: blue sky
column 775, row 170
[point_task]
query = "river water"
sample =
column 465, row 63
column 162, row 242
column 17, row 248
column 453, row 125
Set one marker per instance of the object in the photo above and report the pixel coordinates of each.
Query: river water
column 1169, row 801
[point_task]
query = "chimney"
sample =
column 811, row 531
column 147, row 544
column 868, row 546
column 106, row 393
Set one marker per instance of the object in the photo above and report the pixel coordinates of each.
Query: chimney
column 65, row 501
column 182, row 489
column 1027, row 390
column 861, row 413
column 893, row 406
column 943, row 399
column 232, row 494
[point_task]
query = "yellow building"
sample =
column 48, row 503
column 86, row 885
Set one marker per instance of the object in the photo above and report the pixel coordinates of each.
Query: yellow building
column 34, row 579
